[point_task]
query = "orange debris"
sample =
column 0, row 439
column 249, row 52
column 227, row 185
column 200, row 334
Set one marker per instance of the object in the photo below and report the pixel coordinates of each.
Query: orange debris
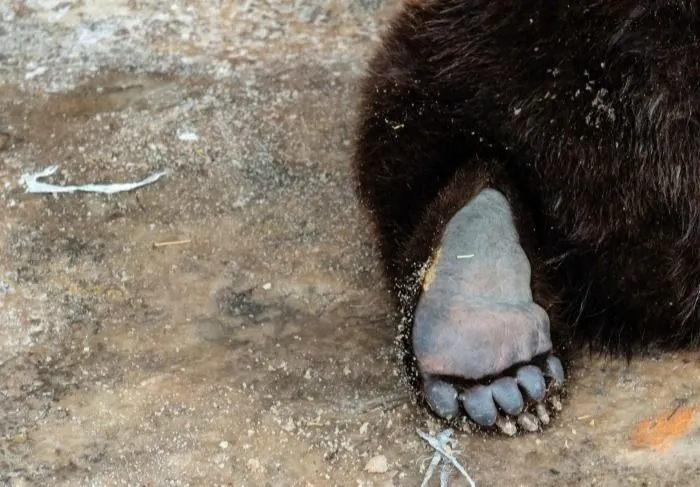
column 662, row 430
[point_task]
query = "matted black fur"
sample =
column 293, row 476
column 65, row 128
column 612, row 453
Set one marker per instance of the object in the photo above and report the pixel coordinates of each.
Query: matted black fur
column 586, row 115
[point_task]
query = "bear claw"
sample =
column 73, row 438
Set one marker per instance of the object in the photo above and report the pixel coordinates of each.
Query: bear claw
column 502, row 399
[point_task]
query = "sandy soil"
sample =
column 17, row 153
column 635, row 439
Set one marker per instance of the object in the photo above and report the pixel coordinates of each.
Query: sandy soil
column 259, row 351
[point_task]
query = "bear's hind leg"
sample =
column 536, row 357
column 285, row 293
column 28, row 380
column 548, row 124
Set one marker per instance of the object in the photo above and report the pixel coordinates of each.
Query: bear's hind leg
column 438, row 190
column 479, row 339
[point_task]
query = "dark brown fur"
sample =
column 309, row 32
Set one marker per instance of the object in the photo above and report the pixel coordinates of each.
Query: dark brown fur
column 585, row 114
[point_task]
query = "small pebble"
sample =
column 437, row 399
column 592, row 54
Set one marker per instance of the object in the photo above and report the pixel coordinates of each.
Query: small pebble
column 253, row 465
column 378, row 464
column 188, row 137
column 289, row 425
column 35, row 72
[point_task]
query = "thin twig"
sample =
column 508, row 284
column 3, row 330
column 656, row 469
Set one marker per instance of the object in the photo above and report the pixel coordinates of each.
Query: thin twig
column 679, row 403
column 171, row 243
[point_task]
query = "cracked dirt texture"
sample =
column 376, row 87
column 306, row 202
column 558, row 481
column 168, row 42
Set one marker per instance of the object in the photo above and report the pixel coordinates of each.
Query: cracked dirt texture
column 261, row 350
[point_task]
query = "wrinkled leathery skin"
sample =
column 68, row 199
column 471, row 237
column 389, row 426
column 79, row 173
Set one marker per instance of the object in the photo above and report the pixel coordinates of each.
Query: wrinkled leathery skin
column 476, row 317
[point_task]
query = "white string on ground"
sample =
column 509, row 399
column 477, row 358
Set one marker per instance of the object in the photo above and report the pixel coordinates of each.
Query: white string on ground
column 33, row 185
column 434, row 462
column 442, row 455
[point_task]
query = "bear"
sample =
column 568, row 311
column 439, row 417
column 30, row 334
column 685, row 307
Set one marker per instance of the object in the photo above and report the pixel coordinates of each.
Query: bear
column 532, row 172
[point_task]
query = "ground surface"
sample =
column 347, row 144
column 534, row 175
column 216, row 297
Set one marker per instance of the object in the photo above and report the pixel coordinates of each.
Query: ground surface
column 260, row 350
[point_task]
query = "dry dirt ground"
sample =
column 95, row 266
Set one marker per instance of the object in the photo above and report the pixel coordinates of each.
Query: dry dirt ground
column 259, row 349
